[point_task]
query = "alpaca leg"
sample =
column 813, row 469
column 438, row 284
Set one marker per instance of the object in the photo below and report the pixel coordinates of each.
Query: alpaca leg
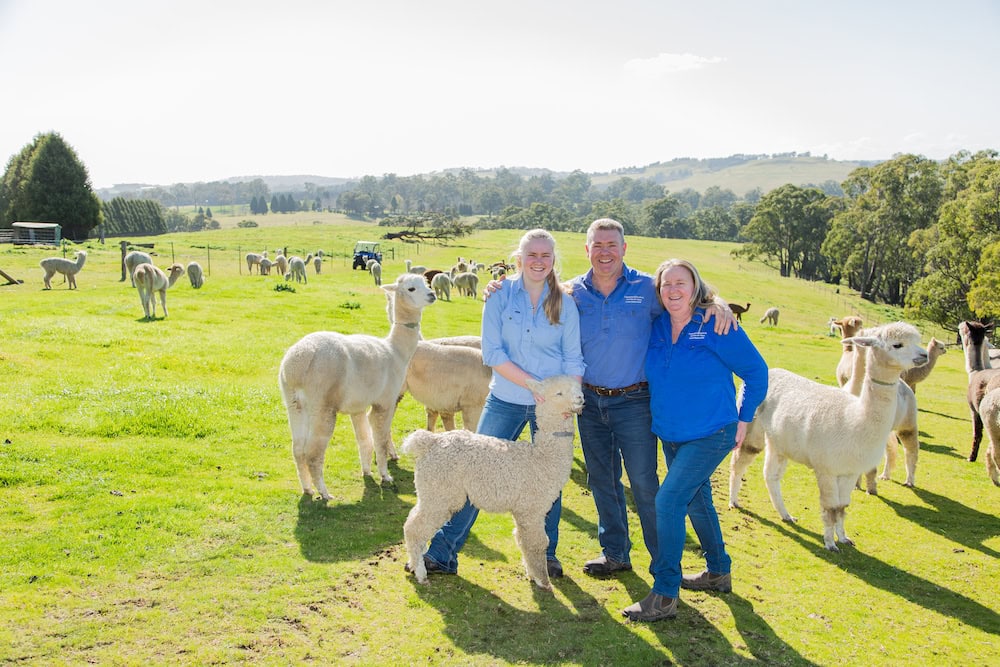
column 431, row 419
column 363, row 434
column 829, row 502
column 529, row 533
column 871, row 486
column 890, row 456
column 741, row 459
column 422, row 523
column 381, row 425
column 163, row 301
column 470, row 417
column 977, row 435
column 844, row 487
column 911, row 449
column 774, row 470
column 309, row 448
column 47, row 278
column 993, row 461
column 448, row 421
column 71, row 277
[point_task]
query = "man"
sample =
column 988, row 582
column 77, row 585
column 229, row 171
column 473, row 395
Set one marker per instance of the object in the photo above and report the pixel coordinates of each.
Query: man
column 617, row 306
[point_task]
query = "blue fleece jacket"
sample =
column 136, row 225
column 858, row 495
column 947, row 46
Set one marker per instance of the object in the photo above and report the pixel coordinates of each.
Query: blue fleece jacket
column 692, row 393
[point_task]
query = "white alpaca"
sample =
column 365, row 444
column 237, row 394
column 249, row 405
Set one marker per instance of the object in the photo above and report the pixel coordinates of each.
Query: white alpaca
column 376, row 270
column 441, row 284
column 69, row 268
column 839, row 435
column 264, row 266
column 849, row 326
column 326, row 373
column 771, row 315
column 296, row 269
column 834, row 328
column 496, row 475
column 904, row 426
column 318, row 263
column 134, row 259
column 196, row 275
column 253, row 259
column 150, row 280
column 989, row 412
column 935, row 349
column 466, row 283
column 410, row 268
column 280, row 264
column 447, row 377
column 982, row 377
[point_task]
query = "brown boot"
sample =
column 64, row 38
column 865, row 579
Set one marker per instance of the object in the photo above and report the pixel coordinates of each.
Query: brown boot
column 651, row 608
column 706, row 581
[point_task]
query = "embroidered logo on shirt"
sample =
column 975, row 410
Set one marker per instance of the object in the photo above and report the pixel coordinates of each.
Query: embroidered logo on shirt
column 697, row 335
column 634, row 298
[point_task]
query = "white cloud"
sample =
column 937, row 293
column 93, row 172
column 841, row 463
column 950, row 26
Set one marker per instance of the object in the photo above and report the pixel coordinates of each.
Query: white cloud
column 668, row 63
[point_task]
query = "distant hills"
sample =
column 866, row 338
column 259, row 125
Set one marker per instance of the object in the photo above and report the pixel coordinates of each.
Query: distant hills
column 739, row 173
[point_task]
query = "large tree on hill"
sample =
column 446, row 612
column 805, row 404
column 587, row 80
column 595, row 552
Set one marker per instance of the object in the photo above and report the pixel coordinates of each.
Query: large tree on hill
column 787, row 229
column 886, row 204
column 46, row 182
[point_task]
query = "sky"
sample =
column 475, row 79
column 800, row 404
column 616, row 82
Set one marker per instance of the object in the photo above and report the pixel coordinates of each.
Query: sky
column 162, row 92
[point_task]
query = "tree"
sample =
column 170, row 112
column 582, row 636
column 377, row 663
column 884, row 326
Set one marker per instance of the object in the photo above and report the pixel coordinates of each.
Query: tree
column 46, row 182
column 955, row 260
column 869, row 239
column 787, row 229
column 665, row 219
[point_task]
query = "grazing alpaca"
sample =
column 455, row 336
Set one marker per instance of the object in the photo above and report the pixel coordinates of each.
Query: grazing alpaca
column 376, row 270
column 326, row 373
column 466, row 283
column 195, row 275
column 738, row 310
column 134, row 259
column 496, row 475
column 68, row 268
column 935, row 349
column 253, row 259
column 149, row 280
column 297, row 270
column 771, row 315
column 982, row 378
column 280, row 264
column 441, row 284
column 839, row 435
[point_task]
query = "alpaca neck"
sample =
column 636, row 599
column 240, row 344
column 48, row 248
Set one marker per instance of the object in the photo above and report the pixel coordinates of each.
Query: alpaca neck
column 975, row 356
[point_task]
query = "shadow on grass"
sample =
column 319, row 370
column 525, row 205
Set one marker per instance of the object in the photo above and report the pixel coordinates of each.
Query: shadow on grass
column 951, row 520
column 329, row 533
column 480, row 622
column 891, row 579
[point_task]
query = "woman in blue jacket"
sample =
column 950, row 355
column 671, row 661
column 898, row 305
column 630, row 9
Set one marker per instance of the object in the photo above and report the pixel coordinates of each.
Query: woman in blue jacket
column 690, row 371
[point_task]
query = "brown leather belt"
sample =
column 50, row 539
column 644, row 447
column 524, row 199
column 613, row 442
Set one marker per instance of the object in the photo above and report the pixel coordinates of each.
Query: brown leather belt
column 621, row 391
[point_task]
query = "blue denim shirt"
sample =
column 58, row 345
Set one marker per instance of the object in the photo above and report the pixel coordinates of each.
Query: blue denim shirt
column 615, row 330
column 691, row 387
column 512, row 331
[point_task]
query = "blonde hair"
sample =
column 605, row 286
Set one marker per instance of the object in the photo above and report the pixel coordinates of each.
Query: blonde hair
column 553, row 302
column 703, row 294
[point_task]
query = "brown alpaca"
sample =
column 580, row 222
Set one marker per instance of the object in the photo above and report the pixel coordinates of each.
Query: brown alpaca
column 738, row 310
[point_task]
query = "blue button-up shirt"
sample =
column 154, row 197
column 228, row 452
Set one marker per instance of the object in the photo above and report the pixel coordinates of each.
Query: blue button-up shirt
column 615, row 329
column 513, row 331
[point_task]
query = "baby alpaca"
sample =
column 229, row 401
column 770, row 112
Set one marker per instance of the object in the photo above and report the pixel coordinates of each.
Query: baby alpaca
column 149, row 280
column 771, row 315
column 839, row 435
column 496, row 475
column 68, row 268
column 326, row 373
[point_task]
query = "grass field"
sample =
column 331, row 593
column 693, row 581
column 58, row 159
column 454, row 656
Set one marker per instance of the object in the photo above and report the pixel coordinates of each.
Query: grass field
column 150, row 511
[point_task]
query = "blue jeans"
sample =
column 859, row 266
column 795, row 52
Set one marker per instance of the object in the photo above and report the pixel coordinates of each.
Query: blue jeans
column 687, row 490
column 502, row 420
column 613, row 430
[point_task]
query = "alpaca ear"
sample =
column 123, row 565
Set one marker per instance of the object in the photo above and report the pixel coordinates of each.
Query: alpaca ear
column 389, row 287
column 863, row 341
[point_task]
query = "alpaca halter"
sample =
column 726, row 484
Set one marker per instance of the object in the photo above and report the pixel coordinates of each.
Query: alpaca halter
column 884, row 384
column 411, row 325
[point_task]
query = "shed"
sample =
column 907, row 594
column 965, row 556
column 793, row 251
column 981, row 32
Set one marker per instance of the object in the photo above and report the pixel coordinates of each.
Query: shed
column 31, row 233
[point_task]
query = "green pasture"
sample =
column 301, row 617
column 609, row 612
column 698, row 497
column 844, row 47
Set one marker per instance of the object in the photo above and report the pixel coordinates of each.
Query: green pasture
column 150, row 512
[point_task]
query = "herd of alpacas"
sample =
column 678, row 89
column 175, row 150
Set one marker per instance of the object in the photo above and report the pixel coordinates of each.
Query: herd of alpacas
column 841, row 433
